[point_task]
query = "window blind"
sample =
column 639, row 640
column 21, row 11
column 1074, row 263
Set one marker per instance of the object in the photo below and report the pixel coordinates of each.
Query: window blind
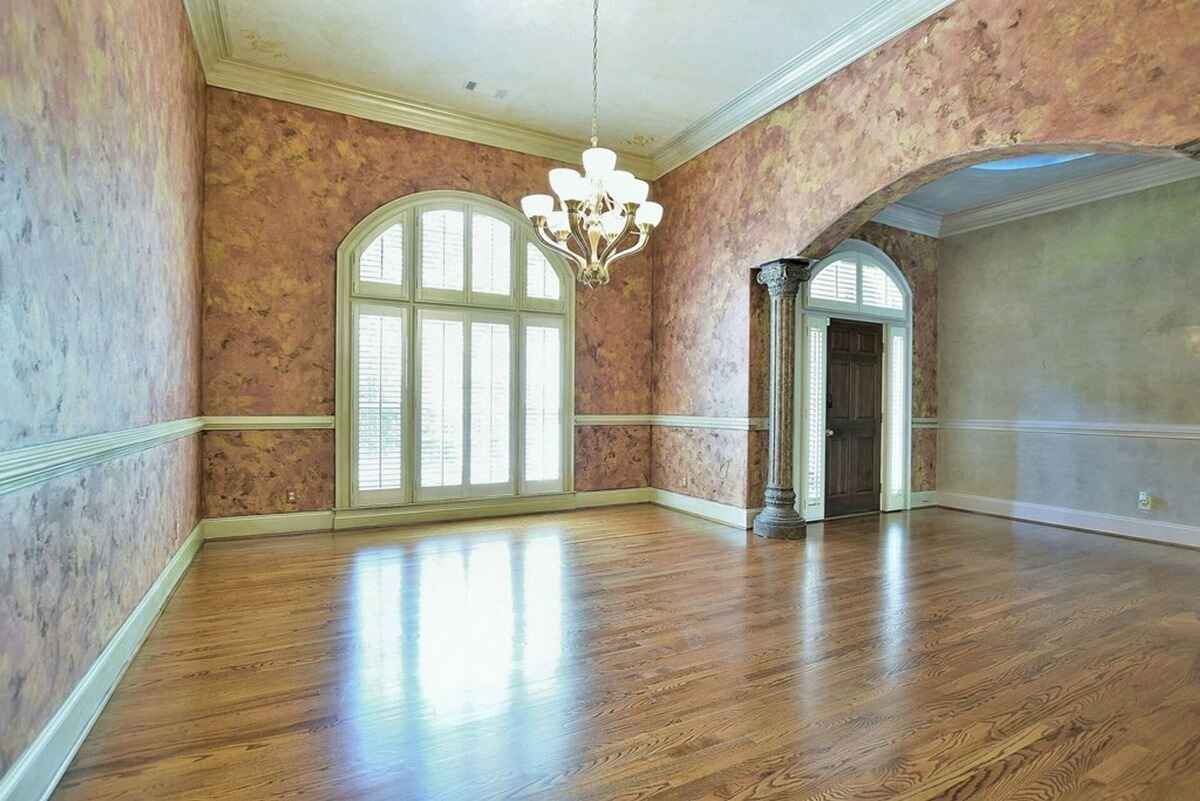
column 836, row 282
column 540, row 279
column 442, row 249
column 491, row 402
column 543, row 403
column 380, row 371
column 879, row 290
column 441, row 398
column 491, row 255
column 383, row 260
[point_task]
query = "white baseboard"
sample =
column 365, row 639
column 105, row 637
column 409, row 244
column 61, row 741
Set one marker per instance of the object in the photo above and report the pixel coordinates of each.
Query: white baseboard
column 700, row 507
column 617, row 497
column 1134, row 527
column 919, row 499
column 36, row 772
column 219, row 528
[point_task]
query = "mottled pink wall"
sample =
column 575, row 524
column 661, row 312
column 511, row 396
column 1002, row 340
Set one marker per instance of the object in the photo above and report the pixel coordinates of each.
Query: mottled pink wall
column 612, row 457
column 285, row 184
column 251, row 472
column 101, row 167
column 981, row 76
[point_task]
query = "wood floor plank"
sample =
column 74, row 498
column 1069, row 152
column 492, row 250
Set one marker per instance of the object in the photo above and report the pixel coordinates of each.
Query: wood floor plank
column 637, row 653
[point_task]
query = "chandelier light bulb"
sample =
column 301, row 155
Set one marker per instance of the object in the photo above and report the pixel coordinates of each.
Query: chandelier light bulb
column 537, row 205
column 649, row 213
column 568, row 184
column 598, row 162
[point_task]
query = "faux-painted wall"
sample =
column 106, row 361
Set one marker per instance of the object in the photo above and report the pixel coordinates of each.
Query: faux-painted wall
column 1096, row 309
column 101, row 167
column 979, row 77
column 284, row 185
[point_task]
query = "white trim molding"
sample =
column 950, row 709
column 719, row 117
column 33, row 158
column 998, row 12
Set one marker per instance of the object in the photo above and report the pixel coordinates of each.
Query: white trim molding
column 1056, row 197
column 268, row 422
column 673, row 421
column 918, row 500
column 857, row 38
column 912, row 218
column 717, row 512
column 220, row 528
column 925, row 422
column 37, row 771
column 1078, row 428
column 34, row 464
column 1133, row 527
column 881, row 22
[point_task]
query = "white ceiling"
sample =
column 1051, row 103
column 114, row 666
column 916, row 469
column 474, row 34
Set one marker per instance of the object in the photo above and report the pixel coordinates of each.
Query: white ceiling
column 675, row 75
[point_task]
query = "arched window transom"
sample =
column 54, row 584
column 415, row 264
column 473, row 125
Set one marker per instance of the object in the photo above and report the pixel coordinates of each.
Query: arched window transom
column 855, row 280
column 454, row 356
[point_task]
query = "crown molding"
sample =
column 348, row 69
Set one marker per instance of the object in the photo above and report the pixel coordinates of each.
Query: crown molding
column 911, row 218
column 1043, row 201
column 221, row 69
column 883, row 21
column 672, row 421
column 1072, row 193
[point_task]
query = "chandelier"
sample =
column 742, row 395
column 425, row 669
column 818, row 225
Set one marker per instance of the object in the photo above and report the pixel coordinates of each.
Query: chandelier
column 604, row 215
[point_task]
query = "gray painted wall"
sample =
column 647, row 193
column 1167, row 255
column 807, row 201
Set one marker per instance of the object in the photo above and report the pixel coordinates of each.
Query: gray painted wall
column 1088, row 314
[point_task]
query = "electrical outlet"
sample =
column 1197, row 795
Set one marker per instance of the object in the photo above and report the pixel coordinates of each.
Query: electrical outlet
column 1145, row 501
column 291, row 496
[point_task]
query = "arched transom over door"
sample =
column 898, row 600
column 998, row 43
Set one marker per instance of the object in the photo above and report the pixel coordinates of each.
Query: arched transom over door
column 454, row 346
column 857, row 283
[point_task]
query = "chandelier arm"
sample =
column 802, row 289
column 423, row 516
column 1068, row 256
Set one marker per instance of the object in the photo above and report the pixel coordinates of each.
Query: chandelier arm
column 636, row 247
column 575, row 221
column 616, row 240
column 543, row 233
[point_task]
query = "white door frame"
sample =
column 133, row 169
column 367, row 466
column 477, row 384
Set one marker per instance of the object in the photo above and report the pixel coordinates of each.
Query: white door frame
column 810, row 401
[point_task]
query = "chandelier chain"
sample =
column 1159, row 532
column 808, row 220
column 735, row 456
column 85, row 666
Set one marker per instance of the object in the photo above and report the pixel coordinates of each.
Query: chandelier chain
column 595, row 72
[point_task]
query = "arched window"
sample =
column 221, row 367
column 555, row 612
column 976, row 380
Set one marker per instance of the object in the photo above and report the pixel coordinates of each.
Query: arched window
column 856, row 279
column 454, row 356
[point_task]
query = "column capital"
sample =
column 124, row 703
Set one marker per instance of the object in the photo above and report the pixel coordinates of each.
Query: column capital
column 782, row 277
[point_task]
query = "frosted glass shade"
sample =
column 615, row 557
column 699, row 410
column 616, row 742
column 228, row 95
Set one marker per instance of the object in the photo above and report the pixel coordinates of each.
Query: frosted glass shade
column 640, row 191
column 568, row 184
column 619, row 185
column 557, row 221
column 537, row 205
column 599, row 162
column 649, row 213
column 613, row 222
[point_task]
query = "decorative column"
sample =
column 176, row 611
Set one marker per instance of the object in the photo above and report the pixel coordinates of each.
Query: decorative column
column 779, row 518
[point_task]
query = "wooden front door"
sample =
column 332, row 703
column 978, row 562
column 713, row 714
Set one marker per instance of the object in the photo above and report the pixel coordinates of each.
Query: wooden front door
column 854, row 418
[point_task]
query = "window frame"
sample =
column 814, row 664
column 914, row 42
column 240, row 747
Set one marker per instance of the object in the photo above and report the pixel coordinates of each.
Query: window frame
column 861, row 254
column 353, row 294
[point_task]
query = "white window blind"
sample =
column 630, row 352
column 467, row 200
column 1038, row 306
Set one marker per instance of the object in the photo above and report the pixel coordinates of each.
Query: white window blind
column 380, row 400
column 897, row 397
column 816, row 413
column 543, row 403
column 491, row 402
column 541, row 281
column 879, row 290
column 491, row 255
column 441, row 398
column 837, row 282
column 383, row 260
column 442, row 249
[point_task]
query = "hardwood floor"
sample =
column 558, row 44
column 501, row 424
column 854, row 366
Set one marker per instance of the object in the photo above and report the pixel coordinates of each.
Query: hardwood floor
column 638, row 653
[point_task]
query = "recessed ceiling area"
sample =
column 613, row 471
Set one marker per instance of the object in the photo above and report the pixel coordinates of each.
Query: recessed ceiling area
column 1010, row 189
column 674, row 77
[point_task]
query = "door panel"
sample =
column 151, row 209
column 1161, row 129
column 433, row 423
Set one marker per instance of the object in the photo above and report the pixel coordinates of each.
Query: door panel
column 853, row 418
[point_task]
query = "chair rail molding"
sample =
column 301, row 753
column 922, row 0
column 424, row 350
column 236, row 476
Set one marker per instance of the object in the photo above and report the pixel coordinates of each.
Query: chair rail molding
column 672, row 421
column 1078, row 428
column 271, row 422
column 24, row 467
